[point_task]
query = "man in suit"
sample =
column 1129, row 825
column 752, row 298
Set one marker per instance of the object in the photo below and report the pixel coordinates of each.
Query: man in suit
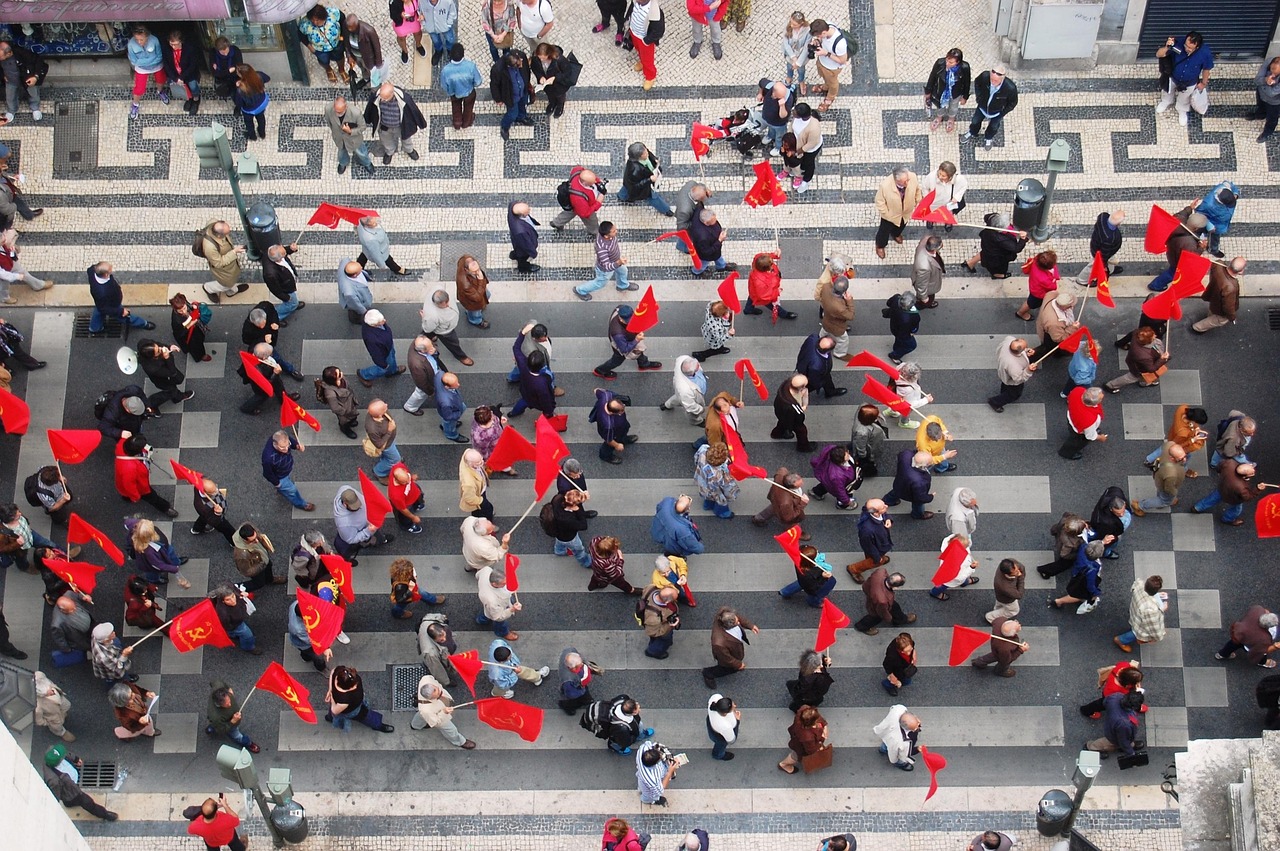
column 353, row 291
column 728, row 645
column 281, row 278
column 873, row 537
column 524, row 237
column 912, row 482
column 1255, row 632
column 424, row 364
column 815, row 362
column 1002, row 652
column 263, row 325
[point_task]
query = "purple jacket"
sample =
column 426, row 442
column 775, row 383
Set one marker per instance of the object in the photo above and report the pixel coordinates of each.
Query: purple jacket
column 834, row 476
column 910, row 483
column 609, row 426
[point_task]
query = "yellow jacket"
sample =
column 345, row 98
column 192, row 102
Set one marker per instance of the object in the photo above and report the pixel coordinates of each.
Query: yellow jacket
column 933, row 447
column 660, row 578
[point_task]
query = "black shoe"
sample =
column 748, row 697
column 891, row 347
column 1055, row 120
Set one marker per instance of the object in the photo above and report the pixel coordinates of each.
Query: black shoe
column 591, row 515
column 296, row 375
column 350, row 432
column 529, row 268
column 526, row 121
column 506, row 133
column 13, row 653
column 413, row 155
column 386, row 728
column 386, row 159
column 606, row 374
column 342, row 168
column 614, row 460
column 709, row 682
column 435, row 58
column 150, row 326
column 422, row 51
column 839, row 391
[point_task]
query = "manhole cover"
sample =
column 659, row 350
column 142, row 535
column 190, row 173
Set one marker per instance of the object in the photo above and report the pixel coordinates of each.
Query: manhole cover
column 81, row 327
column 98, row 775
column 1273, row 318
column 404, row 686
column 75, row 138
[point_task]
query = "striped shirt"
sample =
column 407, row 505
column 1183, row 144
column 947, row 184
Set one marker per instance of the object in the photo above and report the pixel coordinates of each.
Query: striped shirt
column 641, row 13
column 649, row 777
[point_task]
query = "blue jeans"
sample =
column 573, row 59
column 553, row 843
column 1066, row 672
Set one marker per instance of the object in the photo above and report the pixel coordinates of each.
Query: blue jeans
column 493, row 50
column 620, row 274
column 450, row 427
column 288, row 307
column 243, row 636
column 369, row 373
column 475, row 317
column 794, row 74
column 917, row 508
column 514, row 111
column 442, row 42
column 654, row 200
column 814, row 600
column 1127, row 637
column 398, row 609
column 1161, row 282
column 993, row 124
column 944, row 467
column 361, row 156
column 1160, row 500
column 290, row 492
column 500, row 628
column 719, row 746
column 903, row 347
column 97, row 321
column 389, row 457
column 275, row 353
column 719, row 263
column 888, row 685
column 660, row 645
column 239, row 738
column 775, row 134
column 722, row 511
column 574, row 548
column 1229, row 515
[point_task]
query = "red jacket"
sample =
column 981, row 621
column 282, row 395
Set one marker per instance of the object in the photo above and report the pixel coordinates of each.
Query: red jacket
column 698, row 10
column 584, row 199
column 402, row 496
column 764, row 287
column 133, row 480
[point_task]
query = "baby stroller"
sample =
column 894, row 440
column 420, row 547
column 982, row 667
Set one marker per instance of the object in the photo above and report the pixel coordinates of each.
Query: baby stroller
column 744, row 129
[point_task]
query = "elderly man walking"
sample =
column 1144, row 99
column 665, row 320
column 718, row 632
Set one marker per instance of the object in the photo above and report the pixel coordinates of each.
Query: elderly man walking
column 1255, row 632
column 435, row 711
column 380, row 343
column 927, row 270
column 1084, row 417
column 440, row 323
column 1003, row 652
column 584, row 191
column 353, row 291
column 897, row 196
column 836, row 304
column 223, row 258
column 375, row 246
column 728, row 645
column 690, row 385
column 1010, row 586
column 1147, row 605
column 347, row 127
column 1169, row 474
column 912, row 481
column 1223, row 295
column 1014, row 369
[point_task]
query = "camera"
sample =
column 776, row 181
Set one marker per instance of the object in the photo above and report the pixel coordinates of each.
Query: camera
column 813, row 47
column 603, row 185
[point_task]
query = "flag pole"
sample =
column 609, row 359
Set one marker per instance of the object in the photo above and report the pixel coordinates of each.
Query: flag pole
column 1083, row 302
column 572, row 482
column 1002, row 638
column 246, row 699
column 527, row 511
column 468, row 703
column 153, row 632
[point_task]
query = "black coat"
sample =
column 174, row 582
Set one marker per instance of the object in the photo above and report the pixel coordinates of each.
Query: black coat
column 810, row 689
column 558, row 68
column 411, row 119
column 896, row 665
column 706, row 239
column 163, row 372
column 251, row 335
column 192, row 60
column 911, row 483
column 1004, row 101
column 811, row 363
column 500, row 86
column 902, row 323
column 1102, row 520
column 280, row 283
column 115, row 419
column 524, row 238
column 28, row 64
column 938, row 81
column 1104, row 239
column 635, row 179
column 786, row 409
column 999, row 249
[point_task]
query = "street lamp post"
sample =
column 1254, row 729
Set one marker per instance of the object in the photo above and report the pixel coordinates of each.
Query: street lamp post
column 236, row 764
column 214, row 151
column 1055, row 163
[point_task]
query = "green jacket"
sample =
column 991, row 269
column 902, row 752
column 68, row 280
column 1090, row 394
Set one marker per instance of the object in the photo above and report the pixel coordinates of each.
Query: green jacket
column 220, row 717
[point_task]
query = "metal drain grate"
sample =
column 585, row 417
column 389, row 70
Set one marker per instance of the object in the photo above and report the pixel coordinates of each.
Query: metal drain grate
column 75, row 139
column 81, row 328
column 1273, row 318
column 98, row 775
column 404, row 686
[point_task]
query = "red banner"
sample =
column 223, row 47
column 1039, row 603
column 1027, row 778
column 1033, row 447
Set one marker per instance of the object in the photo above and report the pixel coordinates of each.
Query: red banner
column 831, row 620
column 254, row 374
column 502, row 714
column 71, row 446
column 291, row 413
column 15, row 416
column 728, row 292
column 340, row 569
column 551, row 450
column 322, row 619
column 198, row 626
column 376, row 504
column 766, row 189
column 276, row 680
column 683, row 236
column 330, row 214
column 964, row 641
column 186, row 474
column 1159, row 226
column 885, row 396
column 468, row 667
column 865, row 358
column 1267, row 516
column 512, row 564
column 512, row 446
column 80, row 531
column 744, row 368
column 645, row 315
column 790, row 543
column 935, row 763
column 950, row 562
column 80, row 575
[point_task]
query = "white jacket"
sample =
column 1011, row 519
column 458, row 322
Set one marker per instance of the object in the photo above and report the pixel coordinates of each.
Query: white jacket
column 496, row 601
column 890, row 732
column 479, row 550
column 691, row 398
column 433, row 711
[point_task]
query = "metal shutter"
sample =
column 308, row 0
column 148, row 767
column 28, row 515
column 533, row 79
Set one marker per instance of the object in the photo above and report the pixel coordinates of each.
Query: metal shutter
column 1235, row 29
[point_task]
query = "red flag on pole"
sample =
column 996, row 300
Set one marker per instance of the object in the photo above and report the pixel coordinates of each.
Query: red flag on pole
column 941, row 216
column 291, row 413
column 1159, row 226
column 950, row 561
column 80, row 531
column 512, row 565
column 550, row 450
column 790, row 543
column 340, row 569
column 766, row 189
column 926, row 204
column 865, row 358
column 502, row 714
column 468, row 667
column 512, row 446
column 1188, row 277
column 78, row 574
column 740, row 466
column 1072, row 341
column 276, row 680
column 700, row 136
column 934, row 762
column 322, row 619
column 376, row 504
column 1093, row 345
column 186, row 474
column 684, row 237
column 251, row 370
column 964, row 641
column 1267, row 516
column 728, row 292
column 885, row 396
column 198, row 626
column 15, row 416
column 1098, row 275
column 831, row 620
column 745, row 368
column 330, row 214
column 73, row 445
column 645, row 315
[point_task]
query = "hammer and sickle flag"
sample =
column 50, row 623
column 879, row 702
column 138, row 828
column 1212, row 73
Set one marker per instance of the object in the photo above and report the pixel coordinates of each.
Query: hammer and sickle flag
column 277, row 681
column 322, row 619
column 502, row 714
column 196, row 627
column 645, row 315
column 745, row 368
column 1267, row 518
column 80, row 531
column 15, row 416
column 340, row 569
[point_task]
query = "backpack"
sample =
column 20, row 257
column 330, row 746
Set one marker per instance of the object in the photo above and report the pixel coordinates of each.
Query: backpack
column 562, row 196
column 595, row 718
column 31, row 489
column 197, row 245
column 1225, row 423
column 547, row 518
column 100, row 404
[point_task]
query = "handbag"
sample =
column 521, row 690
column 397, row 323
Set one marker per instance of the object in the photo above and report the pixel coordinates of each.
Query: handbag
column 1137, row 760
column 206, row 314
column 1150, row 377
column 369, row 449
column 818, row 760
column 1199, row 100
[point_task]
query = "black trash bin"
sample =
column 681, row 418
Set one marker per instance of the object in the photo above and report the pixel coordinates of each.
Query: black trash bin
column 1053, row 812
column 264, row 227
column 1028, row 201
column 290, row 819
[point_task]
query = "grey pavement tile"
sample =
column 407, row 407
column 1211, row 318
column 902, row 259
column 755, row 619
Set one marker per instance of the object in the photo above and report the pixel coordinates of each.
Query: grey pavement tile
column 802, row 258
column 214, row 368
column 1163, row 654
column 1180, row 387
column 1143, row 421
column 1205, row 686
column 1166, row 727
column 1158, row 563
column 173, row 662
column 200, row 431
column 195, row 571
column 178, row 731
column 1199, row 608
column 1193, row 532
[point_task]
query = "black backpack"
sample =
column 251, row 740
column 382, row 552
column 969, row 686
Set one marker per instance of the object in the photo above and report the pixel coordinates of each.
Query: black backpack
column 31, row 489
column 562, row 196
column 595, row 718
column 100, row 404
column 547, row 518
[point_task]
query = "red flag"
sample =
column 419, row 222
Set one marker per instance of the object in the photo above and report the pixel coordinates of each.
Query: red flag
column 550, row 450
column 941, row 216
column 920, row 213
column 740, row 466
column 512, row 446
column 322, row 619
column 790, row 543
column 80, row 531
column 1188, row 277
column 645, row 315
column 935, row 763
column 502, row 714
column 198, row 626
column 512, row 565
column 950, row 561
column 80, row 575
column 831, row 620
column 186, row 474
column 965, row 640
column 885, row 396
column 276, row 680
column 15, row 416
column 728, row 292
column 744, row 368
column 1104, row 293
column 685, row 238
column 330, row 214
column 1159, row 226
column 73, row 445
column 1072, row 341
column 700, row 136
column 376, row 504
column 291, row 413
column 766, row 189
column 340, row 569
column 865, row 358
column 1098, row 275
column 468, row 667
column 251, row 365
column 1093, row 345
column 1267, row 516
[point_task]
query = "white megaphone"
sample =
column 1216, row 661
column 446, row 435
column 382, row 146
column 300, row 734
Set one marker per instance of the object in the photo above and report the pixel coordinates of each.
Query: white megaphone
column 127, row 360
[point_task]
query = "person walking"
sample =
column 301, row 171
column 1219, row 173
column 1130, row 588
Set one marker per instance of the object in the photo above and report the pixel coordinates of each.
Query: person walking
column 108, row 301
column 874, row 539
column 787, row 502
column 333, row 391
column 813, row 577
column 347, row 702
column 1235, row 488
column 625, row 345
column 583, row 193
column 838, row 474
column 927, row 270
column 899, row 734
column 61, row 773
column 1147, row 604
column 379, row 342
column 440, row 319
column 900, row 664
column 1169, row 472
column 805, row 737
column 640, row 176
column 1184, row 73
column 354, row 294
column 790, row 402
column 1010, row 587
column 524, row 237
column 607, row 566
column 1084, row 418
column 1014, row 369
column 1223, row 296
column 497, row 603
column 812, row 682
column 880, row 589
column 1255, row 632
column 472, row 284
column 728, row 645
column 277, row 467
column 724, row 719
column 252, row 552
column 375, row 247
column 646, row 26
column 435, row 711
column 223, row 257
column 609, row 264
column 1003, row 653
column 995, row 96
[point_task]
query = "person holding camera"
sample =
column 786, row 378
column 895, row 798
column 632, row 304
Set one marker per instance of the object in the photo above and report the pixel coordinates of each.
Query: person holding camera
column 655, row 769
column 660, row 617
column 830, row 49
column 217, row 824
column 1184, row 74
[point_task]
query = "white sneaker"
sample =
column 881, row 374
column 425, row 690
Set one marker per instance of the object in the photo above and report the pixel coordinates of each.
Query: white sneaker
column 543, row 671
column 1182, row 118
column 343, row 638
column 36, row 115
column 908, row 424
column 8, row 116
column 776, row 152
column 987, row 143
column 507, row 695
column 802, row 188
column 1162, row 106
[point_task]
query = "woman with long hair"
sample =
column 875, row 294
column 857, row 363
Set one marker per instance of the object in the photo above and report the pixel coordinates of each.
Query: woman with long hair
column 332, row 390
column 251, row 99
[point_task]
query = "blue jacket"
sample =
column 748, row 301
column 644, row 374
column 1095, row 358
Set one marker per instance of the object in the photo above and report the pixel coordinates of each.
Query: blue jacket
column 675, row 532
column 147, row 59
column 911, row 483
column 1119, row 725
column 608, row 426
column 902, row 323
column 813, row 364
column 379, row 342
column 524, row 238
column 459, row 79
column 1187, row 67
column 1218, row 214
column 297, row 628
column 1090, row 568
column 107, row 297
column 277, row 465
column 873, row 537
column 1082, row 368
column 449, row 402
column 502, row 677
